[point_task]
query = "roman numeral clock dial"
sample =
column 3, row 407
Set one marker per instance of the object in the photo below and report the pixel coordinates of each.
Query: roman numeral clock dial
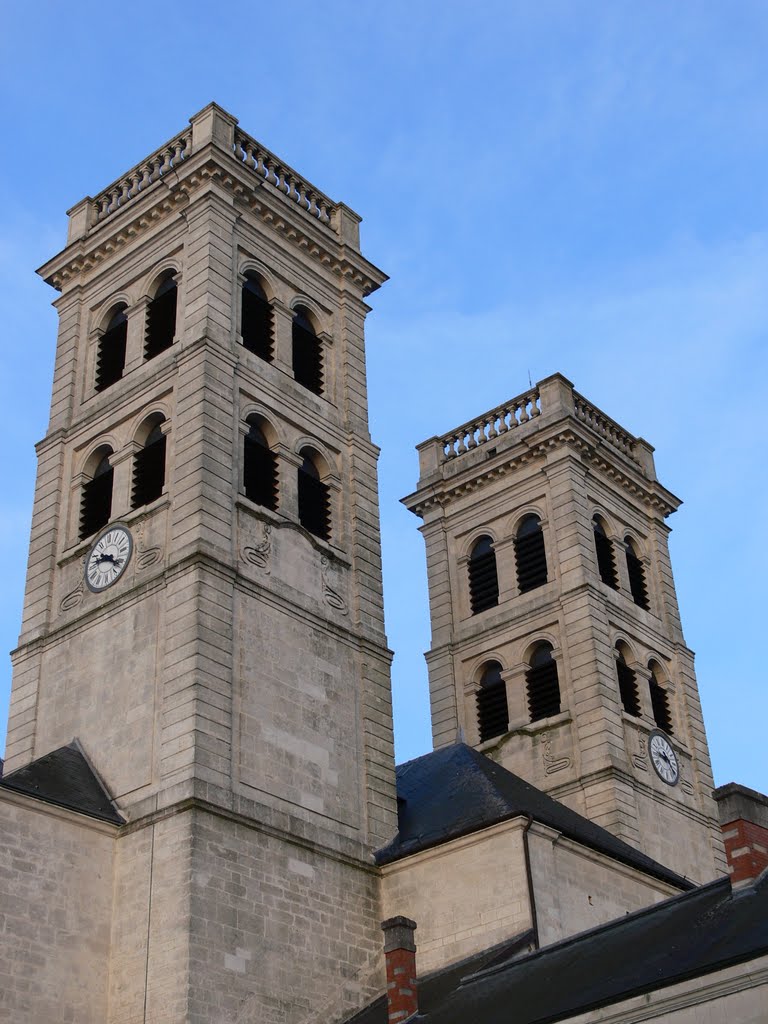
column 108, row 558
column 663, row 758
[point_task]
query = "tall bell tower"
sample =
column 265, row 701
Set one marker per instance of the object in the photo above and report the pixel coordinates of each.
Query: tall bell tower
column 203, row 606
column 557, row 646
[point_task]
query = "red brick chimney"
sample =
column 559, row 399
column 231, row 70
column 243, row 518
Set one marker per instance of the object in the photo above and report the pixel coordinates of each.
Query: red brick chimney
column 400, row 957
column 744, row 821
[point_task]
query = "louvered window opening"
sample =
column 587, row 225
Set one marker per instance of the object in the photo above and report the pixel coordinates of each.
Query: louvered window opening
column 256, row 321
column 605, row 562
column 307, row 356
column 161, row 320
column 110, row 358
column 491, row 698
column 149, row 470
column 531, row 558
column 660, row 706
column 259, row 470
column 483, row 577
column 543, row 689
column 314, row 502
column 637, row 584
column 628, row 688
column 96, row 501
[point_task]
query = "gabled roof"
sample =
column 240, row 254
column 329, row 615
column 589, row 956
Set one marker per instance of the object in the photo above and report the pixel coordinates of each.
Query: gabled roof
column 455, row 791
column 65, row 778
column 696, row 933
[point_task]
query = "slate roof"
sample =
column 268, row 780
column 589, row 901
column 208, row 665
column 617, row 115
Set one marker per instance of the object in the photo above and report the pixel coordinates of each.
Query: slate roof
column 456, row 790
column 696, row 933
column 65, row 778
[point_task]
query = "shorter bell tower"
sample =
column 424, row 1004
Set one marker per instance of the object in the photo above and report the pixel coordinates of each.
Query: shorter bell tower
column 557, row 646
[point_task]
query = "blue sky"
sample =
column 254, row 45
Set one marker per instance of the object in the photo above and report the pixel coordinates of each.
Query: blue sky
column 573, row 186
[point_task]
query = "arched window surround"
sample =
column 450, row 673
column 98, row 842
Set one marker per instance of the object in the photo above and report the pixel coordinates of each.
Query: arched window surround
column 256, row 326
column 538, row 565
column 543, row 690
column 660, row 692
column 260, row 466
column 95, row 500
column 303, row 306
column 627, row 678
column 637, row 567
column 491, row 707
column 482, row 577
column 317, row 489
column 161, row 324
column 149, row 465
column 604, row 539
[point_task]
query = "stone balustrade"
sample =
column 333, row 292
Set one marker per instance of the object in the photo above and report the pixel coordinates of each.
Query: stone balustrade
column 552, row 398
column 282, row 177
column 608, row 429
column 139, row 178
column 491, row 425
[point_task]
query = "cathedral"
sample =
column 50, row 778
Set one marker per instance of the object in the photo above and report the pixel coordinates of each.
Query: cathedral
column 201, row 819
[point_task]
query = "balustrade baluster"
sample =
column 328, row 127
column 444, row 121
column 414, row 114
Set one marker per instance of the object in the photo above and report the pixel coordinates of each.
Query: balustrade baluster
column 259, row 168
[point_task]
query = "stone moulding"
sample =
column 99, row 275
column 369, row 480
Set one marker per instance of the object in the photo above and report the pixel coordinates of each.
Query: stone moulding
column 443, row 492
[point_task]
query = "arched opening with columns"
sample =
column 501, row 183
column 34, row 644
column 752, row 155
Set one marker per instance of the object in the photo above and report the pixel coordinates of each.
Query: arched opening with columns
column 148, row 479
column 110, row 352
column 542, row 683
column 260, row 469
column 636, row 573
column 662, row 714
column 530, row 554
column 96, row 495
column 606, row 564
column 627, row 680
column 491, row 698
column 161, row 317
column 307, row 352
column 483, row 576
column 314, row 495
column 256, row 328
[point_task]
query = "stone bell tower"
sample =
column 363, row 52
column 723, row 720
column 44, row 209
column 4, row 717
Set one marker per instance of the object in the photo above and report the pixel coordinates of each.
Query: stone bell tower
column 557, row 646
column 203, row 606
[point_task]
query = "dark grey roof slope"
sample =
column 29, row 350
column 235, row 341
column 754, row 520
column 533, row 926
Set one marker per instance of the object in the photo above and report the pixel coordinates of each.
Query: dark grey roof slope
column 64, row 777
column 456, row 790
column 696, row 933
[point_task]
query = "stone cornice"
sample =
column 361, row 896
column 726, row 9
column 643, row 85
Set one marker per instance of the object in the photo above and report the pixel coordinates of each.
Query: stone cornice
column 165, row 197
column 440, row 492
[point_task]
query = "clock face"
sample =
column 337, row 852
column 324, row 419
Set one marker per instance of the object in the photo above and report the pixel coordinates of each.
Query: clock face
column 664, row 758
column 108, row 558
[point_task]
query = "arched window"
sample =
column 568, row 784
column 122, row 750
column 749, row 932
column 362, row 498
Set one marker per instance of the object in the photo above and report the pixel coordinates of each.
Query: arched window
column 659, row 699
column 492, row 712
column 256, row 319
column 314, row 498
column 149, row 468
column 483, row 579
column 530, row 554
column 96, row 499
column 110, row 356
column 627, row 684
column 542, row 684
column 259, row 467
column 604, row 552
column 636, row 574
column 161, row 319
column 307, row 354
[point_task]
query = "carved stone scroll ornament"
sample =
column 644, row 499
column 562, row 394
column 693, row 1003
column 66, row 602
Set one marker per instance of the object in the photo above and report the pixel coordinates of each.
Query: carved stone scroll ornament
column 145, row 556
column 259, row 554
column 331, row 595
column 640, row 760
column 551, row 763
column 73, row 598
